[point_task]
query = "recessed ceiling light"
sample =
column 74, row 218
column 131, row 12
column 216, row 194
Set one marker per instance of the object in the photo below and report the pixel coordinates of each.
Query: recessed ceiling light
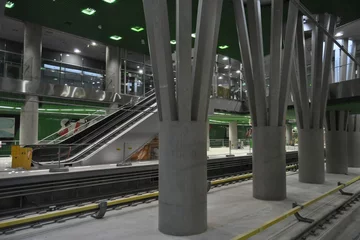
column 339, row 34
column 109, row 1
column 173, row 42
column 141, row 71
column 116, row 38
column 93, row 43
column 238, row 71
column 88, row 11
column 77, row 50
column 137, row 29
column 9, row 4
column 193, row 35
column 225, row 58
column 224, row 47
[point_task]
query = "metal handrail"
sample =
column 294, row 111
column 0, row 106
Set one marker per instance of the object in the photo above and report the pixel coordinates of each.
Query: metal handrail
column 293, row 211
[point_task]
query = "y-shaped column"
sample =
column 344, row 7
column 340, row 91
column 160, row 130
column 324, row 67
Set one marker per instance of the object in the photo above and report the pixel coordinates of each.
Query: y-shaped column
column 310, row 117
column 336, row 142
column 354, row 141
column 183, row 116
column 268, row 124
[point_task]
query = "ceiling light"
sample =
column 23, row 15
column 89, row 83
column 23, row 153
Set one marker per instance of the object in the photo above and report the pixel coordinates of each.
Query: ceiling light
column 116, row 38
column 193, row 35
column 9, row 4
column 67, row 55
column 137, row 29
column 224, row 47
column 109, row 1
column 173, row 42
column 225, row 58
column 93, row 43
column 141, row 71
column 88, row 11
column 227, row 66
column 339, row 34
column 238, row 71
column 77, row 50
column 220, row 77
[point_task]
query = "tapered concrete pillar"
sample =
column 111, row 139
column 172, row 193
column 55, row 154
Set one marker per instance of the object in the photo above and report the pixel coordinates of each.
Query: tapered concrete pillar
column 310, row 108
column 183, row 110
column 353, row 141
column 289, row 135
column 269, row 182
column 29, row 115
column 343, row 61
column 233, row 134
column 269, row 163
column 336, row 142
column 112, row 83
column 183, row 167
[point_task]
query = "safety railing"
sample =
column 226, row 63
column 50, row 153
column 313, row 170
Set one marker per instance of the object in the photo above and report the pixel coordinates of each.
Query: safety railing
column 295, row 211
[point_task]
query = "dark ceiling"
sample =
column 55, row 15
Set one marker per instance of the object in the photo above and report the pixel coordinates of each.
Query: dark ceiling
column 118, row 18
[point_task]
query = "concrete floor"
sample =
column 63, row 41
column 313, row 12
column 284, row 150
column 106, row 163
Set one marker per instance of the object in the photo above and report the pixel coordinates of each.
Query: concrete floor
column 231, row 211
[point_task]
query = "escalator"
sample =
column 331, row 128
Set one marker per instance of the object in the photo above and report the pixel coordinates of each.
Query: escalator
column 85, row 143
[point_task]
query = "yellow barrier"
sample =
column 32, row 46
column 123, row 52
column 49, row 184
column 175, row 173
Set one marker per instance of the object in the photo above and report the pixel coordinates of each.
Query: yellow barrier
column 70, row 211
column 292, row 211
column 21, row 157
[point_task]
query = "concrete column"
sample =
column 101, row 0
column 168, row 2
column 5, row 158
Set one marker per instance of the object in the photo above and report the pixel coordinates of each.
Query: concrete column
column 269, row 163
column 32, row 51
column 288, row 134
column 351, row 64
column 343, row 68
column 233, row 134
column 112, row 83
column 29, row 115
column 336, row 142
column 29, row 121
column 353, row 141
column 311, row 156
column 183, row 178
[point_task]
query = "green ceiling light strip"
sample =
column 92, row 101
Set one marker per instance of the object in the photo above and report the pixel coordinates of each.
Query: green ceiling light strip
column 137, row 29
column 224, row 47
column 109, row 1
column 88, row 11
column 173, row 42
column 9, row 4
column 116, row 37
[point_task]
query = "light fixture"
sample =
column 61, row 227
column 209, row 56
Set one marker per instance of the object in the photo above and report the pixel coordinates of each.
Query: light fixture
column 9, row 4
column 238, row 71
column 339, row 34
column 109, row 1
column 137, row 29
column 224, row 47
column 138, row 66
column 141, row 71
column 225, row 58
column 93, row 43
column 173, row 42
column 193, row 35
column 77, row 50
column 227, row 67
column 88, row 11
column 116, row 38
column 67, row 55
column 220, row 77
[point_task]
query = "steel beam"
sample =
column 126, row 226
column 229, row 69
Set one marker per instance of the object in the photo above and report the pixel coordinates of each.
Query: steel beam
column 257, row 52
column 184, row 82
column 275, row 60
column 157, row 24
column 326, row 80
column 287, row 62
column 207, row 31
column 243, row 38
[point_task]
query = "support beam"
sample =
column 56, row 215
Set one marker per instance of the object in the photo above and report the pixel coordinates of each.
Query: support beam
column 32, row 52
column 343, row 62
column 29, row 121
column 112, row 69
column 156, row 16
column 351, row 64
column 233, row 134
column 207, row 30
column 353, row 142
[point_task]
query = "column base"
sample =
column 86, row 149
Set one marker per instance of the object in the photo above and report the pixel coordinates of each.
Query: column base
column 311, row 156
column 269, row 164
column 336, row 152
column 183, row 178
